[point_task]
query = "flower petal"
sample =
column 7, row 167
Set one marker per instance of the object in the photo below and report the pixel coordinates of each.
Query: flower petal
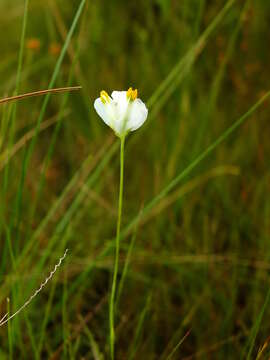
column 137, row 115
column 121, row 101
column 119, row 95
column 102, row 110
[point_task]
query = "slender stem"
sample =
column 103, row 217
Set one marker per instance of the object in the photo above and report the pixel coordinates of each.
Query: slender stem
column 40, row 92
column 117, row 246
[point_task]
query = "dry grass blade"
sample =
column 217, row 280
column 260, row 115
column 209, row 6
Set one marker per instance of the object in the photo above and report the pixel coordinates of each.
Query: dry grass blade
column 39, row 93
column 263, row 348
column 178, row 345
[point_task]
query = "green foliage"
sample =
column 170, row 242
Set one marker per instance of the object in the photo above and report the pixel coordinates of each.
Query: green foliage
column 194, row 246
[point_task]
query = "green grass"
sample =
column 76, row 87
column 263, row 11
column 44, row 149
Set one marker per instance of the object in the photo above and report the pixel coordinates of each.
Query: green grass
column 193, row 279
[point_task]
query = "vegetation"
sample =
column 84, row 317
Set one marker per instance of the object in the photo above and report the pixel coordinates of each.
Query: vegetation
column 193, row 279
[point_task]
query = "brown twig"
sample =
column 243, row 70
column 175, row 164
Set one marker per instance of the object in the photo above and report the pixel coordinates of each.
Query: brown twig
column 40, row 92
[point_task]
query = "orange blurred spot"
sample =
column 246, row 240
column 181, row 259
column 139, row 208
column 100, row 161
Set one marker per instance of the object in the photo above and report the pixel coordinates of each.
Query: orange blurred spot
column 54, row 48
column 33, row 44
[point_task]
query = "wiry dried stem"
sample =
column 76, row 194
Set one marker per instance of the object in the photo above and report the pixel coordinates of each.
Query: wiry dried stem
column 40, row 92
column 6, row 318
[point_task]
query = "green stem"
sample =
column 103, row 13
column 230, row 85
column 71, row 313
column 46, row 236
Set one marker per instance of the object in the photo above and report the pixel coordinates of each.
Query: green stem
column 117, row 246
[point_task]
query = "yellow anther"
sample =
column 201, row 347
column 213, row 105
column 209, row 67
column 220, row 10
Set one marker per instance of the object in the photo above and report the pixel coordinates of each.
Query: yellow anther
column 132, row 94
column 129, row 93
column 104, row 97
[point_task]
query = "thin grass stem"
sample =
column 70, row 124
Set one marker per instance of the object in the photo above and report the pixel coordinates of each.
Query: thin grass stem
column 117, row 246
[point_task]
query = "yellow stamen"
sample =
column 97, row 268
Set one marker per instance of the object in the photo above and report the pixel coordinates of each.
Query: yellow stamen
column 129, row 93
column 104, row 97
column 132, row 94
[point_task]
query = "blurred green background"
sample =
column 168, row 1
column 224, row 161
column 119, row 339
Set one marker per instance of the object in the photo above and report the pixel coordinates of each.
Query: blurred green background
column 194, row 269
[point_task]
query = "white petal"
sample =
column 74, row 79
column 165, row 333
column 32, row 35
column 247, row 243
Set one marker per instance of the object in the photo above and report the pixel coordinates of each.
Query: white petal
column 102, row 111
column 118, row 128
column 137, row 115
column 119, row 95
column 122, row 102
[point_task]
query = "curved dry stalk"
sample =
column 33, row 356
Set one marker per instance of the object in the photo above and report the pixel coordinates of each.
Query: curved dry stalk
column 40, row 92
column 6, row 318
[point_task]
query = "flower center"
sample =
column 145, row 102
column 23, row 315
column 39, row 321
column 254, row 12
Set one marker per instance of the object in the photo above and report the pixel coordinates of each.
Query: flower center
column 132, row 94
column 104, row 97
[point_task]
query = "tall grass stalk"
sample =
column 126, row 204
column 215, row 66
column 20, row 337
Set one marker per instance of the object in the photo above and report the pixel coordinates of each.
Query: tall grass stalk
column 117, row 247
column 14, row 108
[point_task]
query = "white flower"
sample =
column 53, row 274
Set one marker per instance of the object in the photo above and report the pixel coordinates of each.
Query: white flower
column 123, row 111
